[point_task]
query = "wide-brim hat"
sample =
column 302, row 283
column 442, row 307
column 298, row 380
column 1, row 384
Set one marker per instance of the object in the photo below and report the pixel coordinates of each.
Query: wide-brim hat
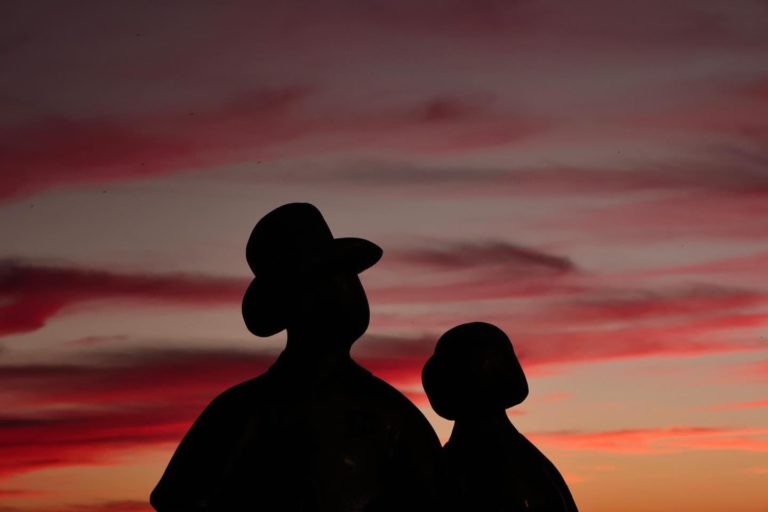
column 287, row 246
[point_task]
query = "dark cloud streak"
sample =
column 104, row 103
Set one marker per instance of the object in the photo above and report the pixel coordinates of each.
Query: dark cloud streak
column 511, row 259
column 31, row 294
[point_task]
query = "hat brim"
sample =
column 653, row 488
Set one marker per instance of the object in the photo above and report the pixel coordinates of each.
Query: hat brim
column 355, row 254
column 265, row 297
column 340, row 254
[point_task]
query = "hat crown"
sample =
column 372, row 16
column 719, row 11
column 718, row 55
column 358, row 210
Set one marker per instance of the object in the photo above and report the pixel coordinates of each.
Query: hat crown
column 291, row 251
column 286, row 236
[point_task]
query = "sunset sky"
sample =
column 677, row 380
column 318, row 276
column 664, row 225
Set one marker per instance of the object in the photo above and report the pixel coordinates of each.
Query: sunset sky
column 590, row 176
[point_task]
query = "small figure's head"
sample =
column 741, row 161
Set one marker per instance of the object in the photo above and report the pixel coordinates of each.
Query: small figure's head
column 473, row 371
column 306, row 280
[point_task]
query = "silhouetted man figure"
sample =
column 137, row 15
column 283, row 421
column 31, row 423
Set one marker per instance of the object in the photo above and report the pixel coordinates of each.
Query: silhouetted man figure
column 316, row 432
column 473, row 377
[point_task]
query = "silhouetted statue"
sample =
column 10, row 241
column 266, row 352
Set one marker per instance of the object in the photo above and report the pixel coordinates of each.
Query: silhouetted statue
column 316, row 432
column 472, row 378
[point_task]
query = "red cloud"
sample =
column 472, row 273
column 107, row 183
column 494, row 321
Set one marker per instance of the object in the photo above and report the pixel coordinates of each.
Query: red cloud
column 32, row 294
column 80, row 438
column 109, row 506
column 539, row 346
column 80, row 414
column 725, row 214
column 87, row 413
column 742, row 406
column 90, row 412
column 18, row 493
column 642, row 304
column 658, row 441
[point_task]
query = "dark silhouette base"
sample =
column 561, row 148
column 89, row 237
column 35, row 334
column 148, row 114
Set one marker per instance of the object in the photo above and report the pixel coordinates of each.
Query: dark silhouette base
column 472, row 378
column 309, row 435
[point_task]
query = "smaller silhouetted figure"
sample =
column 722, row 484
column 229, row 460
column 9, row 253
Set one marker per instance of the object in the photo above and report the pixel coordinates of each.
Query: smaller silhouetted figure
column 472, row 378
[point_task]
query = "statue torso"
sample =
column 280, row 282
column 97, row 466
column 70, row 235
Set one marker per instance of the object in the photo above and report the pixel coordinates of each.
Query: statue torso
column 317, row 437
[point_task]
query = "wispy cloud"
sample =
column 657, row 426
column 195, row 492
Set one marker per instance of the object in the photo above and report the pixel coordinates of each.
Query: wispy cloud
column 66, row 414
column 32, row 294
column 504, row 257
column 657, row 441
column 741, row 406
column 54, row 152
column 103, row 506
column 628, row 305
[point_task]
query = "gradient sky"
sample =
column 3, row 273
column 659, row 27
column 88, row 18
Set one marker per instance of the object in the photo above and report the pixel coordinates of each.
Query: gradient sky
column 590, row 176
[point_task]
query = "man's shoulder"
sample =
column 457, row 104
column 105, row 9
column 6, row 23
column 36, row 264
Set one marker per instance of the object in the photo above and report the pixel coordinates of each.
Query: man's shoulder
column 251, row 391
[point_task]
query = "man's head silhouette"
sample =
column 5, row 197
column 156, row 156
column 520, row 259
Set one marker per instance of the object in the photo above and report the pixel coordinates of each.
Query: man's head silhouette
column 316, row 431
column 306, row 280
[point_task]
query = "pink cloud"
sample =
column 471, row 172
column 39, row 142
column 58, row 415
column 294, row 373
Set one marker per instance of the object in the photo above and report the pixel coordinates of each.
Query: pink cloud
column 658, row 440
column 540, row 347
column 654, row 305
column 686, row 215
column 489, row 288
column 53, row 152
column 722, row 175
column 179, row 376
column 590, row 347
column 742, row 406
column 512, row 259
column 743, row 265
column 751, row 372
column 125, row 134
column 477, row 271
column 679, row 322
